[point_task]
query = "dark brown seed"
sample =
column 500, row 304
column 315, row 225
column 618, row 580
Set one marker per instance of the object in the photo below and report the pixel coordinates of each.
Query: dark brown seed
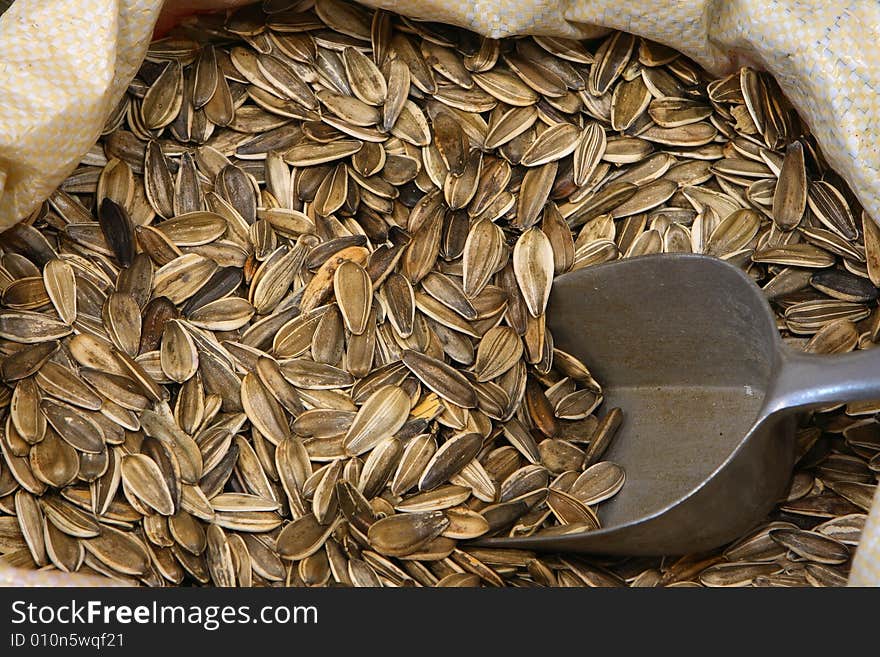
column 158, row 312
column 449, row 460
column 118, row 230
column 441, row 378
column 603, row 436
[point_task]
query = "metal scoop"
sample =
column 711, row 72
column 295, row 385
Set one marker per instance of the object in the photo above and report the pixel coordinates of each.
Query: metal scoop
column 688, row 347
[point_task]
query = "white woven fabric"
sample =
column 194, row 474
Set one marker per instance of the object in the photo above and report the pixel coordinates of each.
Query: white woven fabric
column 866, row 565
column 64, row 64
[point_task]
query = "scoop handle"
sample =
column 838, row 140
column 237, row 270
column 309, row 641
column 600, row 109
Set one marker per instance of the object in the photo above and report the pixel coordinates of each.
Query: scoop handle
column 807, row 380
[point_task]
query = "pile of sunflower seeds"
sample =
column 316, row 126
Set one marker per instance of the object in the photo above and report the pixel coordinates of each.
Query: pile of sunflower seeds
column 284, row 325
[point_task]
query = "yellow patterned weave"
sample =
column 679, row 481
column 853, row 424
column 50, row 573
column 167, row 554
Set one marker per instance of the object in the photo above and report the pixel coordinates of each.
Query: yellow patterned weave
column 63, row 65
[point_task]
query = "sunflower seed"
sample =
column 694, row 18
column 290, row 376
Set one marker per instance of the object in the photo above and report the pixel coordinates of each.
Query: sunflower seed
column 313, row 301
